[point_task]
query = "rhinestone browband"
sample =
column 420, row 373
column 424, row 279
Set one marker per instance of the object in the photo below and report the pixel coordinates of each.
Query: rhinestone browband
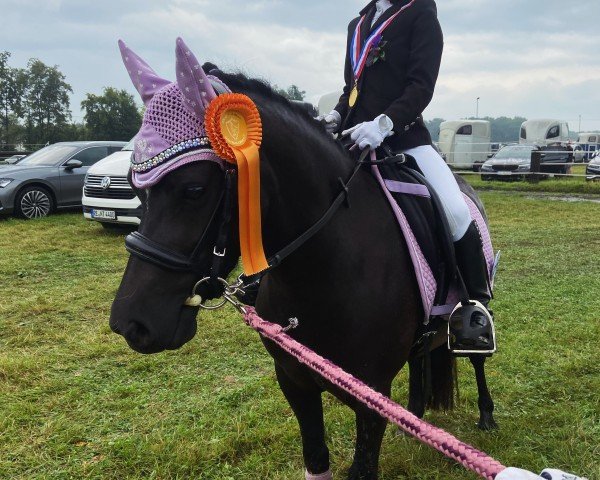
column 170, row 153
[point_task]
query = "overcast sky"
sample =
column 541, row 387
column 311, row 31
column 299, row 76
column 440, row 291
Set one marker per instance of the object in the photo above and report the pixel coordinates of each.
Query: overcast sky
column 534, row 58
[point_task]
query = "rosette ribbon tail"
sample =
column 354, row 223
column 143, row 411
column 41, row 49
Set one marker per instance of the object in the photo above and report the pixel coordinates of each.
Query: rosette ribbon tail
column 251, row 246
column 234, row 128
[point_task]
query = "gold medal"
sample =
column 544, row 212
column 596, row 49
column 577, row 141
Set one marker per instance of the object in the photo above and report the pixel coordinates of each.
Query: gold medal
column 353, row 96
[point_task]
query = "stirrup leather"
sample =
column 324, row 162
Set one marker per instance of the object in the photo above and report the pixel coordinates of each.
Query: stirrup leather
column 466, row 338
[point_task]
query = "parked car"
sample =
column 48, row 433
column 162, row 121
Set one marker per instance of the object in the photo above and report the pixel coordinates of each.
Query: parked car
column 513, row 161
column 107, row 196
column 50, row 178
column 592, row 170
column 509, row 161
column 559, row 157
column 494, row 147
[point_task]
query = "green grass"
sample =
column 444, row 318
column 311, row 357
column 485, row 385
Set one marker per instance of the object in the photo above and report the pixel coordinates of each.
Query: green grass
column 76, row 403
column 575, row 185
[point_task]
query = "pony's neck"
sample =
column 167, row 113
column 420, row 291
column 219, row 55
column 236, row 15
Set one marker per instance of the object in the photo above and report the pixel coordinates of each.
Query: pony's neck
column 299, row 182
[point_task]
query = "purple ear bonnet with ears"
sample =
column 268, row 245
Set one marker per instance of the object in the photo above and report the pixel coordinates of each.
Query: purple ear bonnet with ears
column 172, row 132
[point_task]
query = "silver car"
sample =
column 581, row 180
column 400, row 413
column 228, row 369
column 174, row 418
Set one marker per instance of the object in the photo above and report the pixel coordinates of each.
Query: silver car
column 510, row 160
column 50, row 178
column 592, row 170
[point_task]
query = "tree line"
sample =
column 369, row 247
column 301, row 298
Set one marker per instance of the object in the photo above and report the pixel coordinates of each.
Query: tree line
column 35, row 108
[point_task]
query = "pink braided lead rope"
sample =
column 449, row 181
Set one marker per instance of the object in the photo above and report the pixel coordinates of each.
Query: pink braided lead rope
column 471, row 458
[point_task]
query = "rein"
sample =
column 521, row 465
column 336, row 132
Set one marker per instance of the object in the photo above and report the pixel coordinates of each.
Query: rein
column 342, row 197
column 471, row 458
column 217, row 234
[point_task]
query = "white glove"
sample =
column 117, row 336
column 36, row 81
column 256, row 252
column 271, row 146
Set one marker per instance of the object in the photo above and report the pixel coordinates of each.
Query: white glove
column 548, row 474
column 553, row 474
column 331, row 121
column 371, row 134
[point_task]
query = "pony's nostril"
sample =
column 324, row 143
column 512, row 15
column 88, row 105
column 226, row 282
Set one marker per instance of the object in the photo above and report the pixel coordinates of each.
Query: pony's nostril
column 139, row 334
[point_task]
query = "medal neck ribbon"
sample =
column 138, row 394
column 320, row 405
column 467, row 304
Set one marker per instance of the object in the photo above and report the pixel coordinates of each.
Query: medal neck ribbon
column 358, row 55
column 234, row 128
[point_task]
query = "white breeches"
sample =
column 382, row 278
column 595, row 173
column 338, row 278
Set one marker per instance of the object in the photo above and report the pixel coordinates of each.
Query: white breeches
column 441, row 178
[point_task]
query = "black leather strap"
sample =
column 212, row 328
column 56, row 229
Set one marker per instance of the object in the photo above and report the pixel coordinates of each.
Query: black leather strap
column 141, row 246
column 342, row 197
column 222, row 239
column 151, row 251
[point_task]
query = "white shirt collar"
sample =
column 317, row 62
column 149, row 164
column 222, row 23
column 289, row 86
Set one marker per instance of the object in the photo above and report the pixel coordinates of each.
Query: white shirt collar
column 380, row 7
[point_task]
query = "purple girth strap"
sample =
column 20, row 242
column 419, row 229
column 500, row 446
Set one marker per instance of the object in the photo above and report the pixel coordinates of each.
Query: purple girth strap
column 408, row 188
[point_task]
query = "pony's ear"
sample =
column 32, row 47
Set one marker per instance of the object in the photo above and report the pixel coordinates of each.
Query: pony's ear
column 193, row 82
column 145, row 80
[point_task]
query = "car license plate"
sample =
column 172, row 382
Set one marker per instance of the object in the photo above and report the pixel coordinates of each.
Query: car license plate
column 104, row 214
column 504, row 172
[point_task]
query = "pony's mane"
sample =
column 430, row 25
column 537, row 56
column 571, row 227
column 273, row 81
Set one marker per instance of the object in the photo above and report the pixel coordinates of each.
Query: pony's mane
column 277, row 103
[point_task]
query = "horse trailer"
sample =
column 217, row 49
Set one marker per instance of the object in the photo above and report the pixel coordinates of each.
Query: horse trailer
column 544, row 131
column 328, row 101
column 465, row 142
column 590, row 143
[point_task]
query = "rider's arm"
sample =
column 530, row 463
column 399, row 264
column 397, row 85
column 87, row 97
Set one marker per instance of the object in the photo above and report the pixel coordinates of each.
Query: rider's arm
column 423, row 67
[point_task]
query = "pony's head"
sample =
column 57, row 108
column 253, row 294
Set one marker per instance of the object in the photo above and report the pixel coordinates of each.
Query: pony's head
column 180, row 182
column 185, row 234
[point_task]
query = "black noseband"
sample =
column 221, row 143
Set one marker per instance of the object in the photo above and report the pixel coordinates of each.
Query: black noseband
column 157, row 254
column 215, row 236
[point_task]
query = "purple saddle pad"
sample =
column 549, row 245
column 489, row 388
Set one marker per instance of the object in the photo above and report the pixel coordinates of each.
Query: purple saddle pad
column 423, row 270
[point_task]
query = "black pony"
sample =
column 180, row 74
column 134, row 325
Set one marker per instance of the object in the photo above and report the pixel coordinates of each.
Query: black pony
column 351, row 286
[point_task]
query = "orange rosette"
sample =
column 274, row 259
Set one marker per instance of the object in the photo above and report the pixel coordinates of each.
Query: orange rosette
column 234, row 128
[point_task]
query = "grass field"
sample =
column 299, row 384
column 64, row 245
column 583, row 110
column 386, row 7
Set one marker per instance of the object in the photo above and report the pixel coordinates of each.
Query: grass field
column 574, row 185
column 76, row 403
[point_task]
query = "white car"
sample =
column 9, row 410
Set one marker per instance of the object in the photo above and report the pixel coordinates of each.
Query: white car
column 107, row 196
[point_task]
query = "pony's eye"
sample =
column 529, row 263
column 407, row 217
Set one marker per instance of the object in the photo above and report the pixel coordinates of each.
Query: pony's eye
column 194, row 191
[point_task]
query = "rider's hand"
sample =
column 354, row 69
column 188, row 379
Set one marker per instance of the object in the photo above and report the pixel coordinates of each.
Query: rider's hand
column 331, row 121
column 371, row 134
column 548, row 474
column 553, row 474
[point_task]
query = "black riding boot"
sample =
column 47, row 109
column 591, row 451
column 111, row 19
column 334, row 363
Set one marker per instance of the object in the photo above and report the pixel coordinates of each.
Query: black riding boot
column 471, row 326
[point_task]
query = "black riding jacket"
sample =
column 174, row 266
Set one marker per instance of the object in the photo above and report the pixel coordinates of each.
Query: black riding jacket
column 401, row 84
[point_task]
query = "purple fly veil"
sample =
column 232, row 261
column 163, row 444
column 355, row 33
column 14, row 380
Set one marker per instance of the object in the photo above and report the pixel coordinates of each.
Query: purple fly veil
column 172, row 132
column 145, row 80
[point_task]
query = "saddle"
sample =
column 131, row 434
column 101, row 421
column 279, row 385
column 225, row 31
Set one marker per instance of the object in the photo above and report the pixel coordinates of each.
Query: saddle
column 423, row 223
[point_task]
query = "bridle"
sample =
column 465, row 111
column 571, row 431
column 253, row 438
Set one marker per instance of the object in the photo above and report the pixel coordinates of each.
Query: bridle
column 216, row 234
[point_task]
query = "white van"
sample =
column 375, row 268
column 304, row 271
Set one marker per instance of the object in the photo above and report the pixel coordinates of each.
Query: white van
column 107, row 196
column 544, row 131
column 590, row 143
column 465, row 142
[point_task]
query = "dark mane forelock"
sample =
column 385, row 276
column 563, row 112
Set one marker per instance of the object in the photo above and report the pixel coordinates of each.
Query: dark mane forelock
column 242, row 83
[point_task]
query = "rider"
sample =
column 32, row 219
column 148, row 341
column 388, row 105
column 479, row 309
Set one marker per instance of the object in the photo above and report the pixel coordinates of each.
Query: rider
column 393, row 58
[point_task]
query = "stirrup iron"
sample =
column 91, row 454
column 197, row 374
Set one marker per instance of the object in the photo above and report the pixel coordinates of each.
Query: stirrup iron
column 464, row 338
